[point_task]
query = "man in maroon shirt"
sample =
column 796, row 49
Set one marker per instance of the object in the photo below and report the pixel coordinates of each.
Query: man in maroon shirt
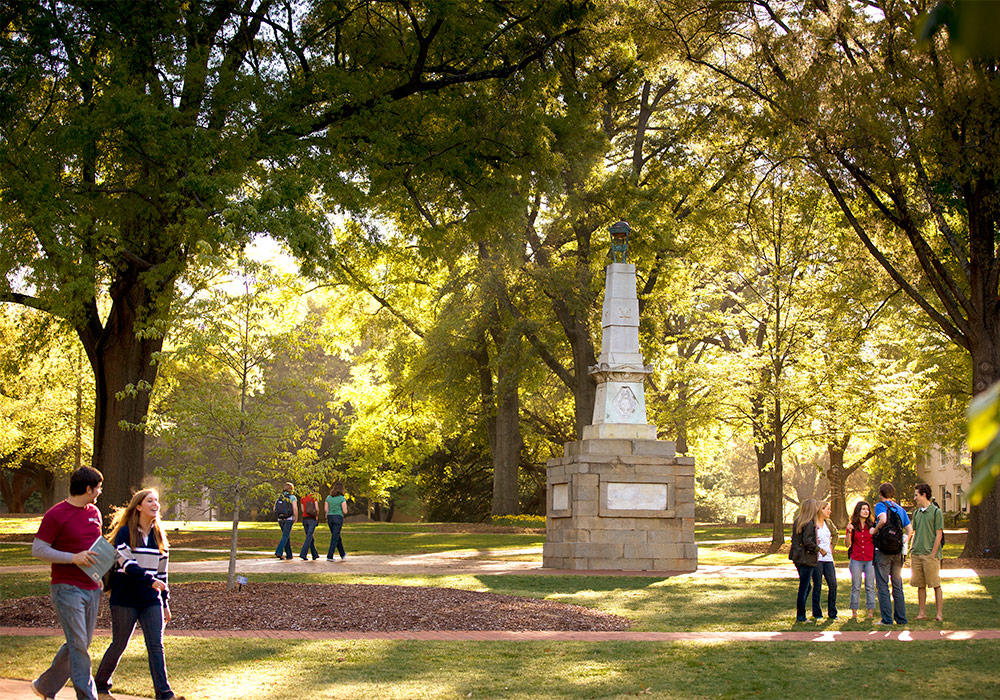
column 64, row 538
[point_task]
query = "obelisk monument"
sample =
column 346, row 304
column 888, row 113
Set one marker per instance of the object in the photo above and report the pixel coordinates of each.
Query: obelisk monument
column 619, row 499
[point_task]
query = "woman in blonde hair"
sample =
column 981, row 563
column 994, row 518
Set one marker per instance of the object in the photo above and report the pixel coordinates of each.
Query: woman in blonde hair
column 826, row 542
column 804, row 552
column 139, row 590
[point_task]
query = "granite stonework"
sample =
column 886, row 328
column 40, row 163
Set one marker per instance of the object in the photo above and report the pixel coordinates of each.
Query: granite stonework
column 624, row 505
column 619, row 499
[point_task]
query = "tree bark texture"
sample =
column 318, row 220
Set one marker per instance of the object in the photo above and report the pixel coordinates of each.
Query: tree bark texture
column 506, row 443
column 17, row 485
column 777, row 485
column 120, row 358
column 836, row 476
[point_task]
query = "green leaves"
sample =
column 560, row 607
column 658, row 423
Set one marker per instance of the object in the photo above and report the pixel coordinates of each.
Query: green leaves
column 984, row 437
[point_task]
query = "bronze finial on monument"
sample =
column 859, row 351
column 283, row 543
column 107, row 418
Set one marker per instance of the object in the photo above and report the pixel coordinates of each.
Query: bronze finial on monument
column 620, row 499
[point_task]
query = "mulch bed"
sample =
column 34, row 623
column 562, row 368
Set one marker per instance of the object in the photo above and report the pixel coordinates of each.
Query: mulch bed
column 343, row 607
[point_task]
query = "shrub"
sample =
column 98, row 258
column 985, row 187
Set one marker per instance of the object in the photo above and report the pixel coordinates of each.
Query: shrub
column 518, row 520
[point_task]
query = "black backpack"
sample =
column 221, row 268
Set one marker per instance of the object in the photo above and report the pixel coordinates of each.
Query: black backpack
column 283, row 507
column 889, row 539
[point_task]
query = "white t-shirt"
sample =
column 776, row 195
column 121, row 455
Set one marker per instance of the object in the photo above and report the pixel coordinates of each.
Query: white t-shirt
column 823, row 542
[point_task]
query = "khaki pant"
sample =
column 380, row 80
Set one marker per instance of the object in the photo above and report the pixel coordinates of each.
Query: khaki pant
column 925, row 571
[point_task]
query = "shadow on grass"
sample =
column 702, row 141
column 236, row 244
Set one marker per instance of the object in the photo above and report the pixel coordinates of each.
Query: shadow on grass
column 286, row 670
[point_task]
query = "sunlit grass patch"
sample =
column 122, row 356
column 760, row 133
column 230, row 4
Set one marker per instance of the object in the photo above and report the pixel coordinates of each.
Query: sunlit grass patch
column 257, row 669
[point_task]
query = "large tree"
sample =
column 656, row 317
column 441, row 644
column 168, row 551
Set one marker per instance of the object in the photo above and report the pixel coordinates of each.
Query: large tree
column 904, row 135
column 129, row 140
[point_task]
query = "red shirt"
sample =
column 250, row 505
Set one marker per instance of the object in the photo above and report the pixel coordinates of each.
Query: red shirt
column 862, row 547
column 302, row 507
column 69, row 528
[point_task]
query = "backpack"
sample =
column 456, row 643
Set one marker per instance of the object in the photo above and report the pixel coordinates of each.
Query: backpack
column 889, row 539
column 309, row 507
column 283, row 507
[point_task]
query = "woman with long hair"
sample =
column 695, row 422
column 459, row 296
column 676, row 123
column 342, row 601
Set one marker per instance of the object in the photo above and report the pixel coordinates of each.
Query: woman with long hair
column 826, row 541
column 861, row 552
column 139, row 590
column 336, row 509
column 804, row 552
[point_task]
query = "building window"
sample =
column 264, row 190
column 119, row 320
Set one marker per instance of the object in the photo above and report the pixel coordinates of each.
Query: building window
column 944, row 497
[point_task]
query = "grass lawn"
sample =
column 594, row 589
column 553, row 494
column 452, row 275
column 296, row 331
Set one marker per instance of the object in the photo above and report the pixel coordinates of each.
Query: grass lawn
column 287, row 670
column 359, row 538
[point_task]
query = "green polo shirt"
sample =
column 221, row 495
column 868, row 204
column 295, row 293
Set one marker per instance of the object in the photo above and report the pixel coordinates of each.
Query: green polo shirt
column 926, row 522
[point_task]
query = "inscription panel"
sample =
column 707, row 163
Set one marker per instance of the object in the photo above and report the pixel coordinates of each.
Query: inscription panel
column 626, row 496
column 637, row 496
column 560, row 496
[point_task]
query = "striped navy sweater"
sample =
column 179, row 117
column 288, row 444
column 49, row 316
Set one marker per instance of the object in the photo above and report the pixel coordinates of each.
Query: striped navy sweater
column 135, row 570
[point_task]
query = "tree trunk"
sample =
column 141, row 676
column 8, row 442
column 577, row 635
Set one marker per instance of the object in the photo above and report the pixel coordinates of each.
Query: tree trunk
column 584, row 384
column 836, row 475
column 765, row 479
column 23, row 482
column 233, row 540
column 120, row 359
column 47, row 488
column 778, row 523
column 984, row 520
column 507, row 443
column 762, row 422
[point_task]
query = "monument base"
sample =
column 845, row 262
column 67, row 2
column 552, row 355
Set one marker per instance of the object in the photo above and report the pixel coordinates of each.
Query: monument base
column 621, row 505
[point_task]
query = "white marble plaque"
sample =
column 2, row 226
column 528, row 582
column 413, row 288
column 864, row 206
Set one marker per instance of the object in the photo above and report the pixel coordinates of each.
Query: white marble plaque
column 560, row 496
column 625, row 496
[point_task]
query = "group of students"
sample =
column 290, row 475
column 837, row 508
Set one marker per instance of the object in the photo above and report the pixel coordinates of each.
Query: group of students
column 137, row 583
column 288, row 508
column 876, row 542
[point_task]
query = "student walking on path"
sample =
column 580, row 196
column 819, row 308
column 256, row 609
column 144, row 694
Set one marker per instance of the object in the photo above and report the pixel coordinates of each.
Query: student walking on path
column 925, row 551
column 64, row 538
column 861, row 553
column 139, row 592
column 309, row 513
column 336, row 509
column 804, row 552
column 286, row 510
column 891, row 521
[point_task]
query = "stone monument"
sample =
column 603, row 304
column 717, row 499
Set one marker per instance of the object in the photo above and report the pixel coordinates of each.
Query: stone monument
column 620, row 499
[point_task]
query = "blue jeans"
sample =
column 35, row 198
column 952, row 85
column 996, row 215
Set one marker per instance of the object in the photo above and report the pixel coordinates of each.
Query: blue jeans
column 309, row 524
column 857, row 569
column 805, row 584
column 825, row 570
column 890, row 566
column 123, row 619
column 285, row 543
column 77, row 611
column 335, row 523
